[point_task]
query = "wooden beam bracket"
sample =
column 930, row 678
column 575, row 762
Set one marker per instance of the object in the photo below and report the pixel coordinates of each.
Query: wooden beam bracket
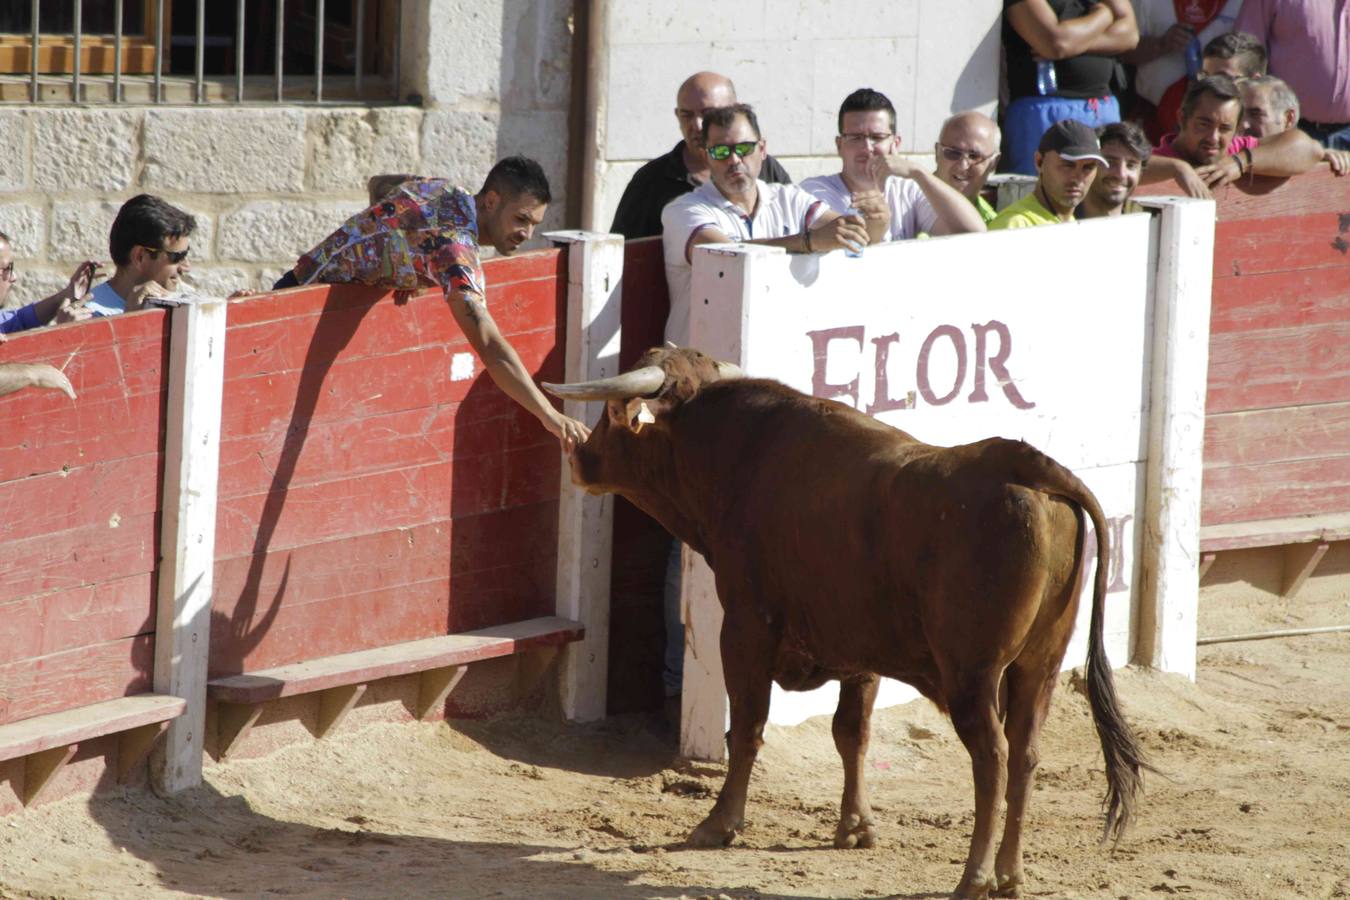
column 133, row 746
column 433, row 687
column 1300, row 561
column 233, row 723
column 334, row 704
column 41, row 768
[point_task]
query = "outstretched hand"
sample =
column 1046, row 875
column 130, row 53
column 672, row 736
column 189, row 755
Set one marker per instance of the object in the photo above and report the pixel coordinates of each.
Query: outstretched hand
column 569, row 432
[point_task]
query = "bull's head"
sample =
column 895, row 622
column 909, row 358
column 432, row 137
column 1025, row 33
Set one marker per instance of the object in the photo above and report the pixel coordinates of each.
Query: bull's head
column 630, row 446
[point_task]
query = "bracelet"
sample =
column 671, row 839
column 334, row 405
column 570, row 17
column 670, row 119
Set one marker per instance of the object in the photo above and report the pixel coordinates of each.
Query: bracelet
column 1248, row 151
column 806, row 240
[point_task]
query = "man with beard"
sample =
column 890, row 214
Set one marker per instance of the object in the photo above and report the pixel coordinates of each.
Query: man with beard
column 1208, row 148
column 1066, row 164
column 1126, row 150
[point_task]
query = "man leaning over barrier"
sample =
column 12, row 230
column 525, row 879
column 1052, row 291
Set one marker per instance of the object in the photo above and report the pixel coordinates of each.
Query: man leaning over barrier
column 426, row 231
column 1208, row 151
column 1066, row 164
column 898, row 199
column 56, row 308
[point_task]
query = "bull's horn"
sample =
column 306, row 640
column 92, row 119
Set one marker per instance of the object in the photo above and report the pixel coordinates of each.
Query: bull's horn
column 729, row 370
column 637, row 383
column 671, row 345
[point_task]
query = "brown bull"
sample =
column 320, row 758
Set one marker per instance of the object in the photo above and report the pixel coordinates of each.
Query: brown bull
column 845, row 549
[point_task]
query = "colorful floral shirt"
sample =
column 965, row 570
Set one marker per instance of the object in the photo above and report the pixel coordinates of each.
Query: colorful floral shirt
column 425, row 232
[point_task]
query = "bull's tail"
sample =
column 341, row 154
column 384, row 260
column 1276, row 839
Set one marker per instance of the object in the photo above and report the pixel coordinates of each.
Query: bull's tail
column 1125, row 763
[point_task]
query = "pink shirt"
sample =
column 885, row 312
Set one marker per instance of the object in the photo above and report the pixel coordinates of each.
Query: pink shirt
column 1240, row 143
column 1309, row 45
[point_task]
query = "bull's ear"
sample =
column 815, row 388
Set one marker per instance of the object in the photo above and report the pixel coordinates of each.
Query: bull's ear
column 633, row 414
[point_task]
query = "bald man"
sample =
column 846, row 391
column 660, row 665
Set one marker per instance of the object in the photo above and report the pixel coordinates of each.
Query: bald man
column 966, row 153
column 685, row 167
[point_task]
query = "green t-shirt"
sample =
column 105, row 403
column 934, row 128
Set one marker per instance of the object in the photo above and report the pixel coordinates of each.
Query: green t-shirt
column 1025, row 213
column 986, row 211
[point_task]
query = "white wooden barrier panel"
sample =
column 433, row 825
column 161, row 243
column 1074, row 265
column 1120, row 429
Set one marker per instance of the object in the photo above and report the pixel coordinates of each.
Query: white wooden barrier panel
column 1043, row 334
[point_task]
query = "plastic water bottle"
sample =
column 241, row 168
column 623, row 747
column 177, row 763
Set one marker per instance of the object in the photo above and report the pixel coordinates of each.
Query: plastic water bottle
column 848, row 248
column 1195, row 57
column 1047, row 83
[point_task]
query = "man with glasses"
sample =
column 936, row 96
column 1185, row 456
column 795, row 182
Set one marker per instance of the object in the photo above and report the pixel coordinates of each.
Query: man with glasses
column 967, row 152
column 897, row 198
column 734, row 205
column 685, row 167
column 149, row 244
column 57, row 307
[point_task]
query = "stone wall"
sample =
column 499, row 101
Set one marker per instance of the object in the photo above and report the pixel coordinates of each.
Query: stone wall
column 483, row 79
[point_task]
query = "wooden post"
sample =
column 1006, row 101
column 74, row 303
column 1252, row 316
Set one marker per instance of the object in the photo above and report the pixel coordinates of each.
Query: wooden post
column 1169, row 575
column 188, row 536
column 585, row 522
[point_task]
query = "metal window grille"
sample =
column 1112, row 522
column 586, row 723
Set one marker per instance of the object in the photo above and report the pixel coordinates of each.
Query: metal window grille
column 189, row 52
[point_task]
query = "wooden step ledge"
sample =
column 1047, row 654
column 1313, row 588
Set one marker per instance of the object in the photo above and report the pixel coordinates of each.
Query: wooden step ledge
column 46, row 743
column 342, row 679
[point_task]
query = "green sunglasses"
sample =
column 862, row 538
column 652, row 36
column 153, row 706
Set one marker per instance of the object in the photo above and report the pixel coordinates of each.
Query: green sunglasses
column 722, row 151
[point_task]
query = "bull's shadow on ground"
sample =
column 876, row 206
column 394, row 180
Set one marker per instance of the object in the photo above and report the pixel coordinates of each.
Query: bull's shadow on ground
column 208, row 844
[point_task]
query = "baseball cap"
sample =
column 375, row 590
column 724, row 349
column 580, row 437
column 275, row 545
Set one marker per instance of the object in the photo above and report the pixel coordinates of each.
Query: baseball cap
column 1072, row 140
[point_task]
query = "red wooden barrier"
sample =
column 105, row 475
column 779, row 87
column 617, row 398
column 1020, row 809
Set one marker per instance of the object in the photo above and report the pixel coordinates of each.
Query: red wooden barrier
column 366, row 498
column 1278, row 406
column 79, row 516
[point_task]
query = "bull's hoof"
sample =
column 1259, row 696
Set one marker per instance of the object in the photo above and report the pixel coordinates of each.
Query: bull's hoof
column 855, row 833
column 710, row 834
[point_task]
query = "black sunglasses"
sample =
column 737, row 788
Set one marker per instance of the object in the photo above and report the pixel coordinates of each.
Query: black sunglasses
column 174, row 256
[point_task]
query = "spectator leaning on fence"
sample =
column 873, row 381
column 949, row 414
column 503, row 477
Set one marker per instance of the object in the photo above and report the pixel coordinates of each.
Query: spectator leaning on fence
column 1061, row 60
column 966, row 153
column 898, row 199
column 56, row 308
column 1209, row 149
column 734, row 205
column 1066, row 164
column 1126, row 151
column 685, row 167
column 1271, row 108
column 1309, row 45
column 425, row 232
column 1172, row 36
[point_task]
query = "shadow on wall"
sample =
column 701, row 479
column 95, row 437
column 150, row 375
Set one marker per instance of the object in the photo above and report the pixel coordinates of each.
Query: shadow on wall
column 969, row 91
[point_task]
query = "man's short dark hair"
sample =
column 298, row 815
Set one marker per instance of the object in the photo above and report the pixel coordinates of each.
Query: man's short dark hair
column 146, row 221
column 725, row 116
column 516, row 175
column 867, row 100
column 1250, row 53
column 1220, row 86
column 1129, row 134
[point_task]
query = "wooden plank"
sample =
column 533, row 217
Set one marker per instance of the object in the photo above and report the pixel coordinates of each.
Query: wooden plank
column 1278, row 243
column 645, row 313
column 1282, row 299
column 1281, row 367
column 39, row 733
column 1274, row 532
column 188, row 538
column 43, row 562
column 398, row 659
column 49, row 623
column 1259, row 197
column 103, row 493
column 48, row 684
column 1256, row 437
column 1276, row 490
column 125, row 428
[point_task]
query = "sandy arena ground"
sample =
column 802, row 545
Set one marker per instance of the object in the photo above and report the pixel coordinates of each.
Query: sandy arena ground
column 1255, row 803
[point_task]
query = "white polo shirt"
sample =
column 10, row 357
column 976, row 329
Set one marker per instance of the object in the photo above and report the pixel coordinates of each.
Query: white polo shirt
column 911, row 212
column 782, row 210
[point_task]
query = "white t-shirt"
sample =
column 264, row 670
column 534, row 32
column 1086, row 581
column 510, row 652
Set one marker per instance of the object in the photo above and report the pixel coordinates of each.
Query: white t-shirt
column 104, row 301
column 1152, row 79
column 782, row 210
column 911, row 212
